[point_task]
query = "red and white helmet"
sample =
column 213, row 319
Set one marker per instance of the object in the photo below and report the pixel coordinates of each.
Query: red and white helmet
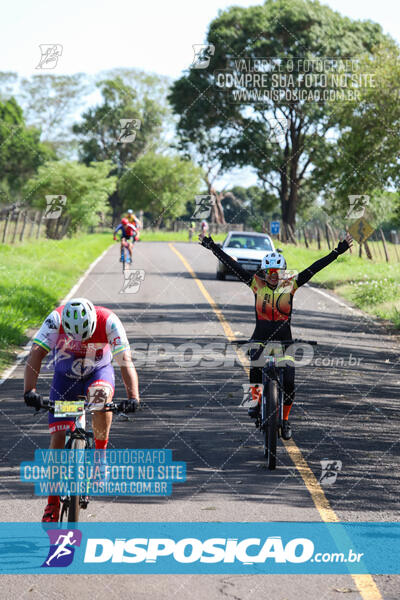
column 79, row 318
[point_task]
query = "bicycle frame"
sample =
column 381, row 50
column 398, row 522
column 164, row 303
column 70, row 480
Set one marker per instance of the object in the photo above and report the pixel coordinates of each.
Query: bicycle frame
column 270, row 419
column 70, row 503
column 272, row 371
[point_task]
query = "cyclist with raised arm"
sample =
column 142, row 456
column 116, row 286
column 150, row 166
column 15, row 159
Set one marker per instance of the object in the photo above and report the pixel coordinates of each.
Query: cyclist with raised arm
column 84, row 339
column 273, row 306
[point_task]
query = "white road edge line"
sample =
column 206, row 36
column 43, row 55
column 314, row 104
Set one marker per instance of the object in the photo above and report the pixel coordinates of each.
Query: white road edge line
column 315, row 289
column 20, row 357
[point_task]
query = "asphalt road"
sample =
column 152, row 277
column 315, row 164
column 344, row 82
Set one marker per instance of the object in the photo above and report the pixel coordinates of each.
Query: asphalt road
column 345, row 411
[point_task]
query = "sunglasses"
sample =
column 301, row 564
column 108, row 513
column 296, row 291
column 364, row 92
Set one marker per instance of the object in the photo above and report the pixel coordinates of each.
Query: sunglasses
column 270, row 271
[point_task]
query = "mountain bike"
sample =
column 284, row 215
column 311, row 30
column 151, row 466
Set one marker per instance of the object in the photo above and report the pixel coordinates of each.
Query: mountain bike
column 125, row 258
column 269, row 421
column 77, row 438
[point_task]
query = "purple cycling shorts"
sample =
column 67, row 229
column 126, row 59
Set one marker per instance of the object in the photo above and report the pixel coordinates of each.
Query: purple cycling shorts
column 68, row 388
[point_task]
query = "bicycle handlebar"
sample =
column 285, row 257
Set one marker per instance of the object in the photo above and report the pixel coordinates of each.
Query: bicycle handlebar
column 284, row 342
column 110, row 406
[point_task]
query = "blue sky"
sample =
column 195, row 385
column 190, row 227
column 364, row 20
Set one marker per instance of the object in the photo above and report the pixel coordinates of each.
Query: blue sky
column 154, row 36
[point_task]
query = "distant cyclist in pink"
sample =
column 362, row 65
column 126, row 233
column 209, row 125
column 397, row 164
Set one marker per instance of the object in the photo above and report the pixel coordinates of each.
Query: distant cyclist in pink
column 83, row 339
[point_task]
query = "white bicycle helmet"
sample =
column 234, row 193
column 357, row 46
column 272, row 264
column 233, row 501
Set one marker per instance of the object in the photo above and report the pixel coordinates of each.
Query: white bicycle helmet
column 79, row 318
column 273, row 260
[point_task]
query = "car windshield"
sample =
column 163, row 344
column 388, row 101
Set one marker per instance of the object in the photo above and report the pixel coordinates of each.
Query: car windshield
column 249, row 242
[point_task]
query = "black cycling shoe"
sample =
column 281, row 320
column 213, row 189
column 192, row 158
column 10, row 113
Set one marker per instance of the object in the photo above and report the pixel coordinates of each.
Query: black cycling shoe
column 286, row 430
column 254, row 411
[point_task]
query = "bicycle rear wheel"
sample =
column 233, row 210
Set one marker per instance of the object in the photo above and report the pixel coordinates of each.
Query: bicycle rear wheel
column 75, row 504
column 123, row 259
column 271, row 423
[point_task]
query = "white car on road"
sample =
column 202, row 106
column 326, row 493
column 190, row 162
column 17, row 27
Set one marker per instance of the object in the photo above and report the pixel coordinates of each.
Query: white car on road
column 248, row 248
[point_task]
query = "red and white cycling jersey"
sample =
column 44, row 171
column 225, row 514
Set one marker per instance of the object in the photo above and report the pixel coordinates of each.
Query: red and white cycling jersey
column 130, row 230
column 80, row 358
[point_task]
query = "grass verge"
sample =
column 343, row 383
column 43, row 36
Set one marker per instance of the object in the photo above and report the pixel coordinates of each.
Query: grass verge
column 34, row 276
column 370, row 285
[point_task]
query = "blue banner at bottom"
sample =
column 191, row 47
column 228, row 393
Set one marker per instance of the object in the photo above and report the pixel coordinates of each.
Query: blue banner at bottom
column 202, row 548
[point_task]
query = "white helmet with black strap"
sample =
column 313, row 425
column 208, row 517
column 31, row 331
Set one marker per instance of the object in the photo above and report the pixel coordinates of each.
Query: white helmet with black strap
column 79, row 318
column 273, row 260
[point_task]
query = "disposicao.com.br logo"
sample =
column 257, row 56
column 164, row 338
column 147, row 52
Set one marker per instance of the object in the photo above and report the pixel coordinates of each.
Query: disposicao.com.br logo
column 62, row 547
column 213, row 550
column 201, row 548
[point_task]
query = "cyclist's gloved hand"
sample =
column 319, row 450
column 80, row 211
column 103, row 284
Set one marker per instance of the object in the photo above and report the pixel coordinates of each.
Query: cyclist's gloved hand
column 32, row 399
column 342, row 247
column 208, row 242
column 130, row 405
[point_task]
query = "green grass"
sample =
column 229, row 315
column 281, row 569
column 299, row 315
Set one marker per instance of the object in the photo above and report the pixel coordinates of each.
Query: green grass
column 370, row 285
column 174, row 236
column 34, row 276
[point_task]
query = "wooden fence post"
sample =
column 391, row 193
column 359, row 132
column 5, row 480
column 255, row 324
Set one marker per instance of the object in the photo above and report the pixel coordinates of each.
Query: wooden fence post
column 384, row 245
column 367, row 250
column 33, row 219
column 65, row 227
column 6, row 227
column 378, row 246
column 305, row 237
column 318, row 238
column 395, row 249
column 292, row 236
column 39, row 225
column 16, row 227
column 327, row 236
column 21, row 235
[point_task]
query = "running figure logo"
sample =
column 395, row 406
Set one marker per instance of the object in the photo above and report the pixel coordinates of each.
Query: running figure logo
column 62, row 547
column 129, row 128
column 132, row 281
column 330, row 470
column 203, row 206
column 50, row 53
column 202, row 55
column 54, row 206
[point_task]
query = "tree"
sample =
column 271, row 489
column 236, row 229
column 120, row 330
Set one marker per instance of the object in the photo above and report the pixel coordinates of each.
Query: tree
column 86, row 190
column 252, row 205
column 160, row 185
column 21, row 152
column 100, row 130
column 50, row 102
column 367, row 146
column 101, row 135
column 147, row 85
column 8, row 81
column 201, row 146
column 245, row 118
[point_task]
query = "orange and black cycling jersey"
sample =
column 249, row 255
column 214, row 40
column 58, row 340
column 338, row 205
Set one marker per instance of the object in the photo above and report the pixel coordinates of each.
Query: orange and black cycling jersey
column 273, row 305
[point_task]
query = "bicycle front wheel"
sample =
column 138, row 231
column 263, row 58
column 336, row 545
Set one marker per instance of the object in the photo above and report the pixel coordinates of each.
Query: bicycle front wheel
column 75, row 505
column 270, row 424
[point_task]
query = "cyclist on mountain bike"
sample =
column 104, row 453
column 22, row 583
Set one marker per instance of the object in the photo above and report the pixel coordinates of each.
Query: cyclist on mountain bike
column 128, row 235
column 273, row 305
column 135, row 221
column 83, row 339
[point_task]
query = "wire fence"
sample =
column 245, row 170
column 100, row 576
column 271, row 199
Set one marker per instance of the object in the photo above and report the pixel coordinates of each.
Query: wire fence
column 19, row 225
column 378, row 247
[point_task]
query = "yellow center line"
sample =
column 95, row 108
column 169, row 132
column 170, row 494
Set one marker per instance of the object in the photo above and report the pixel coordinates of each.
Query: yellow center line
column 365, row 583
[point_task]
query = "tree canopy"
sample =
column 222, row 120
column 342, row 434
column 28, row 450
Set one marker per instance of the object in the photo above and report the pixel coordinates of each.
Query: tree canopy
column 160, row 185
column 244, row 126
